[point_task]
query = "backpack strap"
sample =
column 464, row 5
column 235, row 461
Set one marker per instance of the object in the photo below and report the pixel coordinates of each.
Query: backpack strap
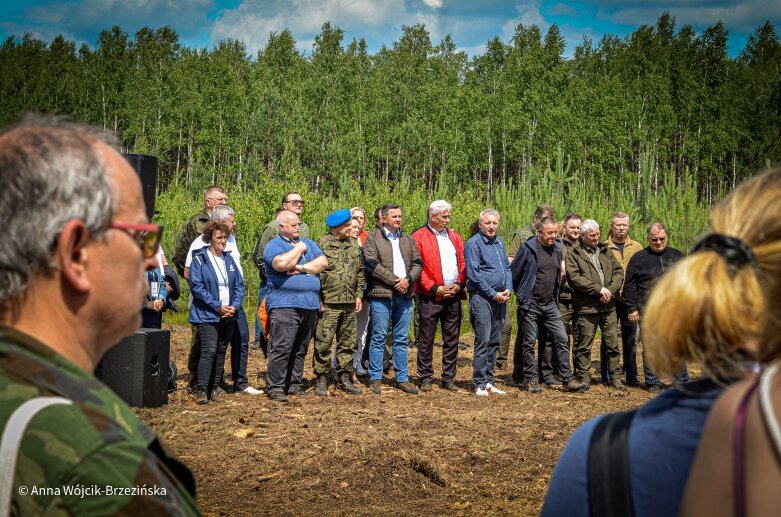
column 12, row 438
column 608, row 466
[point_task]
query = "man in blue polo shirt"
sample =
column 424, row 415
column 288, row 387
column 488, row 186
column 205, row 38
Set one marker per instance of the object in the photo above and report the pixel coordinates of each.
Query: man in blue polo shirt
column 293, row 299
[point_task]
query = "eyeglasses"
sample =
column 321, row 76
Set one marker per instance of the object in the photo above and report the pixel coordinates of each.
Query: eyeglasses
column 297, row 202
column 147, row 236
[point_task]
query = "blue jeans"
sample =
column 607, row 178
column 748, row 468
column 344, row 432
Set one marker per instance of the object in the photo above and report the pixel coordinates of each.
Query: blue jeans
column 487, row 318
column 399, row 311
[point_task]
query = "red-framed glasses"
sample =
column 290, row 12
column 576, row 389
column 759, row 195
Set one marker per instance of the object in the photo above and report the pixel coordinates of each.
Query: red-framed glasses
column 147, row 236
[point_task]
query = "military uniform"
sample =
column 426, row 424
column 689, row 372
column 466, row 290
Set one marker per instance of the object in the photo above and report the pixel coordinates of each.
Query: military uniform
column 191, row 229
column 340, row 285
column 89, row 454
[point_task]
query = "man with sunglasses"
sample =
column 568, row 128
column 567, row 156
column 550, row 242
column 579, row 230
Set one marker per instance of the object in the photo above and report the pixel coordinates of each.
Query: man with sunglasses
column 71, row 286
column 642, row 272
column 292, row 202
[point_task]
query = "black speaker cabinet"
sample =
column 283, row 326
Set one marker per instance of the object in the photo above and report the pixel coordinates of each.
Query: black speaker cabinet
column 146, row 167
column 137, row 368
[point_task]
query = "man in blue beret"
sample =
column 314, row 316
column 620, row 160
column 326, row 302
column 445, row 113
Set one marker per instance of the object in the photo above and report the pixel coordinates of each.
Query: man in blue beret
column 341, row 296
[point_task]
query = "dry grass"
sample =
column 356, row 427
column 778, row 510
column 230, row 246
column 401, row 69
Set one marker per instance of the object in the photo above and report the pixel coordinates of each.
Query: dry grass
column 432, row 454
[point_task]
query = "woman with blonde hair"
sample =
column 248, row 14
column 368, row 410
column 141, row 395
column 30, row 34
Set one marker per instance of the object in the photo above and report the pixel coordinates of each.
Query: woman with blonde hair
column 737, row 469
column 715, row 307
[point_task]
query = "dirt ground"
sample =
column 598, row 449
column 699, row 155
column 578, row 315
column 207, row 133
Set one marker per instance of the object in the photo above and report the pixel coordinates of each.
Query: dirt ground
column 433, row 454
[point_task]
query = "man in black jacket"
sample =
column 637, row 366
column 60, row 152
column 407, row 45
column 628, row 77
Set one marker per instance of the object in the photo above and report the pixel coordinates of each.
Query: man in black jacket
column 642, row 272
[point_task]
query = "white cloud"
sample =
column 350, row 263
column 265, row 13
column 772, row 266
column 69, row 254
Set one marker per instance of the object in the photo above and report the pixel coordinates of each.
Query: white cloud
column 434, row 4
column 253, row 21
column 528, row 14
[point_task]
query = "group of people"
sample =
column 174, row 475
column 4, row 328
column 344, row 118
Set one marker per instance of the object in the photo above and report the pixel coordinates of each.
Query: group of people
column 353, row 292
column 710, row 447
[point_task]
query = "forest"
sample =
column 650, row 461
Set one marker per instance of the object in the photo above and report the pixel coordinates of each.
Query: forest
column 660, row 123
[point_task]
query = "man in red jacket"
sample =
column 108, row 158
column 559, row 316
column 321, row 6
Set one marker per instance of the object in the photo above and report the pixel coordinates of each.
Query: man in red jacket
column 440, row 290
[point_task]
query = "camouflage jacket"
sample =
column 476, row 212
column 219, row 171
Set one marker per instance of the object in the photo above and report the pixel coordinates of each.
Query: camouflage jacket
column 90, row 457
column 344, row 279
column 191, row 229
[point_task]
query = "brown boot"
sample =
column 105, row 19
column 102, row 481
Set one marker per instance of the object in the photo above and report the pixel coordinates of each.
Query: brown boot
column 321, row 385
column 347, row 386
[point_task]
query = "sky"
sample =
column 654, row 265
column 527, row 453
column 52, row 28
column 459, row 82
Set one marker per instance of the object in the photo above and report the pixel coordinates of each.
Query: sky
column 471, row 23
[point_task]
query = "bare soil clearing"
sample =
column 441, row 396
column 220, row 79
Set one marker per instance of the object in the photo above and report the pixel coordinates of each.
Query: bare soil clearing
column 431, row 454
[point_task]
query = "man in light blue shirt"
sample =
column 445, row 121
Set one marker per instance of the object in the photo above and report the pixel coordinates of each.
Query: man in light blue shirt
column 488, row 283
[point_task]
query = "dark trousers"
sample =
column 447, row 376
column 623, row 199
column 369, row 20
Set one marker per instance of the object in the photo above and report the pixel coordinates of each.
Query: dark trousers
column 194, row 357
column 240, row 351
column 432, row 312
column 504, row 344
column 628, row 347
column 487, row 318
column 548, row 317
column 586, row 326
column 214, row 339
column 291, row 331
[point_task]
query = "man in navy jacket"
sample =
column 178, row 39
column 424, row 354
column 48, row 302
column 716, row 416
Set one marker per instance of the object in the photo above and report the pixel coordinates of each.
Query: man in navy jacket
column 536, row 272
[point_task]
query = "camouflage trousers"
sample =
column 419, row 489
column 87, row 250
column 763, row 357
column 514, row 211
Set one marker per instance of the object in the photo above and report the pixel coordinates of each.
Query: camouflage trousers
column 340, row 320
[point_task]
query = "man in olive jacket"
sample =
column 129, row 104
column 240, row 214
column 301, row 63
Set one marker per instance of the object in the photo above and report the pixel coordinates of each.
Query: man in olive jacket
column 595, row 277
column 393, row 265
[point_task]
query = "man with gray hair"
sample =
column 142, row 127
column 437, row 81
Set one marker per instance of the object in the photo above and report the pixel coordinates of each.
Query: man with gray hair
column 83, row 222
column 240, row 338
column 213, row 196
column 488, row 281
column 292, row 265
column 440, row 290
column 643, row 271
column 595, row 277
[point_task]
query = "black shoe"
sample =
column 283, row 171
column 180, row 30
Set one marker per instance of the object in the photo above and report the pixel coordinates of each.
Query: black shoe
column 533, row 387
column 376, row 387
column 450, row 386
column 277, row 396
column 499, row 366
column 296, row 390
column 201, row 396
column 575, row 386
column 617, row 384
column 425, row 385
column 407, row 387
column 255, row 345
column 347, row 386
column 552, row 381
column 655, row 389
column 634, row 384
column 321, row 385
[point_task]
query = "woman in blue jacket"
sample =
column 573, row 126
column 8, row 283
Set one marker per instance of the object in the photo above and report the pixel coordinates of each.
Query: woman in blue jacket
column 218, row 290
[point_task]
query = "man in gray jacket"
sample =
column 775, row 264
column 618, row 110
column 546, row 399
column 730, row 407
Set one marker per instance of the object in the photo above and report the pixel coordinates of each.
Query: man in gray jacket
column 393, row 265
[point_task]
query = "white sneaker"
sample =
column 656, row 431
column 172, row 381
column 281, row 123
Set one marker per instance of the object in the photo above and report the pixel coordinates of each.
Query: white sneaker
column 493, row 390
column 249, row 390
column 481, row 392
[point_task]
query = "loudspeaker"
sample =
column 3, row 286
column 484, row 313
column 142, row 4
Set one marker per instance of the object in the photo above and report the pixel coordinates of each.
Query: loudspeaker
column 137, row 368
column 146, row 167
